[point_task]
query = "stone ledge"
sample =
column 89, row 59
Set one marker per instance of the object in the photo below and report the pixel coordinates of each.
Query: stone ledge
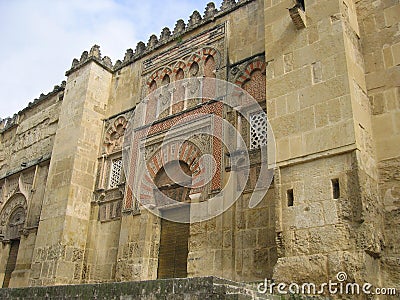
column 185, row 288
column 27, row 165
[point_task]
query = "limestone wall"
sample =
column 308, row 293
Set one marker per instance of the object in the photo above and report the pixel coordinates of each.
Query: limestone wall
column 318, row 107
column 64, row 222
column 380, row 40
column 332, row 97
column 29, row 135
column 26, row 143
column 100, row 258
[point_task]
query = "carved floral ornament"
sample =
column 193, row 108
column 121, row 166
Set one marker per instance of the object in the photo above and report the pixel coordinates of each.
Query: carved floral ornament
column 21, row 184
column 114, row 135
column 12, row 217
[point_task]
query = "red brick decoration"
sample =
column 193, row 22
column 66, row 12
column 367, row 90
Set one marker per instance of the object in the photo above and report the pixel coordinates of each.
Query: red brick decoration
column 207, row 52
column 209, row 72
column 179, row 93
column 157, row 76
column 152, row 78
column 114, row 135
column 195, row 58
column 165, row 71
column 128, row 198
column 187, row 152
column 117, row 128
column 180, row 65
column 209, row 67
column 151, row 106
column 253, row 80
column 255, row 86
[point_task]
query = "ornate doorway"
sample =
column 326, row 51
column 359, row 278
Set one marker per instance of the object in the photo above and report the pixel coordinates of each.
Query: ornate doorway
column 172, row 182
column 13, row 233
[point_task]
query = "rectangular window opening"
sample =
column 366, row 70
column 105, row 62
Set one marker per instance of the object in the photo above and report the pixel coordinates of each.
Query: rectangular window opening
column 335, row 188
column 290, row 197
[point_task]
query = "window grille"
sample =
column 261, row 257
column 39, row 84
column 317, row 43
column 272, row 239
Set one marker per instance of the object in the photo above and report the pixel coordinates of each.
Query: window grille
column 258, row 130
column 116, row 171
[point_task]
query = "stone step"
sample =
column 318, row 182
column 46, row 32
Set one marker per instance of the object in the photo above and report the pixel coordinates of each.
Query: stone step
column 237, row 290
column 201, row 288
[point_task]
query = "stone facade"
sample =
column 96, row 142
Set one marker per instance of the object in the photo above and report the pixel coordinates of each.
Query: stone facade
column 328, row 78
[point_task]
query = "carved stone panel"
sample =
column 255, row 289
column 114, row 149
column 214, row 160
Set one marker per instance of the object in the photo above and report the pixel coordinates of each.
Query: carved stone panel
column 114, row 133
column 12, row 217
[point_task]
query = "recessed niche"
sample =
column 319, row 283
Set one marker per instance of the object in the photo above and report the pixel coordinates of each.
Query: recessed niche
column 335, row 188
column 290, row 197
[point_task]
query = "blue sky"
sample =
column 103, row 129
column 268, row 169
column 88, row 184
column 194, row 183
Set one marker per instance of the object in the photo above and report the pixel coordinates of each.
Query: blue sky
column 39, row 38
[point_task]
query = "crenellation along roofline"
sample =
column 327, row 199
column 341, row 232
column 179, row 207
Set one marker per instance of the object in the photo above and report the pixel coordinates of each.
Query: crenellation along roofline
column 154, row 43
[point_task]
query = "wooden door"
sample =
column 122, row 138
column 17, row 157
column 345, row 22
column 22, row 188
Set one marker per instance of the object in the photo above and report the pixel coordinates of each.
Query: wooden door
column 172, row 260
column 174, row 238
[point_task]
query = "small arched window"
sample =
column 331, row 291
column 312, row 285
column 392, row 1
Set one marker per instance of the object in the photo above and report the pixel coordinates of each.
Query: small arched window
column 194, row 69
column 255, row 85
column 166, row 80
column 209, row 67
column 179, row 94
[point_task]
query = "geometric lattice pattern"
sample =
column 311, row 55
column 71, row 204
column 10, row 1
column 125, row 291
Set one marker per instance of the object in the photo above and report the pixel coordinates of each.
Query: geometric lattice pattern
column 116, row 171
column 258, row 130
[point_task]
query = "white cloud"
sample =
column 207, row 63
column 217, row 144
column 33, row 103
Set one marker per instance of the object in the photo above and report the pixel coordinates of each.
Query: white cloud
column 39, row 38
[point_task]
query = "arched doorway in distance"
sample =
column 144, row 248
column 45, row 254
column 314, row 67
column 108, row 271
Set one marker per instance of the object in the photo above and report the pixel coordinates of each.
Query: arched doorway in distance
column 13, row 234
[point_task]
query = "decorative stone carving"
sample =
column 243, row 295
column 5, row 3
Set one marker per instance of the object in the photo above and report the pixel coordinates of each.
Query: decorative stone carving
column 215, row 37
column 227, row 4
column 140, row 48
column 210, row 10
column 25, row 182
column 107, row 61
column 75, row 62
column 195, row 19
column 150, row 150
column 118, row 64
column 179, row 27
column 128, row 55
column 165, row 34
column 115, row 173
column 12, row 217
column 110, row 210
column 15, row 224
column 153, row 41
column 84, row 56
column 114, row 135
column 258, row 130
column 95, row 52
